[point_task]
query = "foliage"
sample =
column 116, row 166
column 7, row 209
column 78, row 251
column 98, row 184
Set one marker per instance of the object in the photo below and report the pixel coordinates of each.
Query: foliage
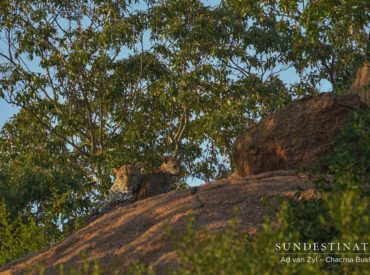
column 203, row 252
column 86, row 266
column 43, row 194
column 350, row 161
column 36, row 169
column 20, row 235
column 329, row 39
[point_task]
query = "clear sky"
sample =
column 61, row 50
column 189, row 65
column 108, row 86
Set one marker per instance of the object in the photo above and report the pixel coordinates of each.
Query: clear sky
column 6, row 111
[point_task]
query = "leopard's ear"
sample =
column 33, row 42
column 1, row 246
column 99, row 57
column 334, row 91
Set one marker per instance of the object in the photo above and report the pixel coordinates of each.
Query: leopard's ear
column 114, row 171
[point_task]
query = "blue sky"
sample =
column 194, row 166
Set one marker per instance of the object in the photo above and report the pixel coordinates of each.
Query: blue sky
column 6, row 111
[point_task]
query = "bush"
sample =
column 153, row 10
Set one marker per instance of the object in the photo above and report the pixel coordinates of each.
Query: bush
column 20, row 236
column 203, row 252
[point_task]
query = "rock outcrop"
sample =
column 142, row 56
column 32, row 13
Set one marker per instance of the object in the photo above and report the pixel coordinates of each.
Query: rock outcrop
column 361, row 83
column 139, row 231
column 294, row 137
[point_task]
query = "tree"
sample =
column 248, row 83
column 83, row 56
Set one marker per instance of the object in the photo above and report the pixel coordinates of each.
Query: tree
column 38, row 177
column 113, row 97
column 20, row 236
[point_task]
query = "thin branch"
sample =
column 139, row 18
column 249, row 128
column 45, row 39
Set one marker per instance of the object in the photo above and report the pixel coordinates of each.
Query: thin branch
column 180, row 131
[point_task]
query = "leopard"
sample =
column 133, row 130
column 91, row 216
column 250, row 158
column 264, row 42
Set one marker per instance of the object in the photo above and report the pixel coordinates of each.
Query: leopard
column 127, row 178
column 160, row 181
column 125, row 186
column 130, row 185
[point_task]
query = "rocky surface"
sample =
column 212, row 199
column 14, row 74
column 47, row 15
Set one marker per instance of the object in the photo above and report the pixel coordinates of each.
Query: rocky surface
column 361, row 83
column 139, row 231
column 294, row 137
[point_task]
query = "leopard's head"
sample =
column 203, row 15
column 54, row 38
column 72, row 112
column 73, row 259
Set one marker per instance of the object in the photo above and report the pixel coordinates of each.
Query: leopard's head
column 171, row 166
column 126, row 176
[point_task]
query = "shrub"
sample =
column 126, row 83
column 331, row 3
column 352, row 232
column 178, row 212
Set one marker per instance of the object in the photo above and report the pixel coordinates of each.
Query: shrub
column 20, row 236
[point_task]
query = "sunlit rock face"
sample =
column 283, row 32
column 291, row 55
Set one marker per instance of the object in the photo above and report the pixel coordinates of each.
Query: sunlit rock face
column 294, row 137
column 361, row 84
